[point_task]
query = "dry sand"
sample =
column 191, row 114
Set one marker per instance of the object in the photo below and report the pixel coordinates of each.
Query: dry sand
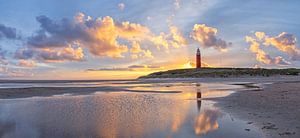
column 275, row 109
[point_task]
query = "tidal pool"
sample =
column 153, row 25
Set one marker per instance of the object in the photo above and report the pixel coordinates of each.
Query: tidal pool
column 126, row 114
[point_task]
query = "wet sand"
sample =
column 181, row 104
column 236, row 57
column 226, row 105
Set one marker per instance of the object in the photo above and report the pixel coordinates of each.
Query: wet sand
column 275, row 109
column 12, row 93
column 42, row 91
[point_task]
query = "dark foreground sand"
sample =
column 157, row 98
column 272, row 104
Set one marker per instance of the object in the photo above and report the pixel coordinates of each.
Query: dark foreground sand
column 275, row 109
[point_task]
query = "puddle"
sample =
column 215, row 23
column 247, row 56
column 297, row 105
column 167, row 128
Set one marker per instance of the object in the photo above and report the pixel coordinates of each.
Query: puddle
column 125, row 114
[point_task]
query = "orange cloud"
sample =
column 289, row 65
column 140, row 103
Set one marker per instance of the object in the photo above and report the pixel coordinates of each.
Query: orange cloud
column 135, row 48
column 66, row 39
column 284, row 42
column 137, row 52
column 178, row 39
column 160, row 40
column 262, row 56
column 260, row 35
column 132, row 31
column 173, row 39
column 104, row 36
column 101, row 36
column 207, row 37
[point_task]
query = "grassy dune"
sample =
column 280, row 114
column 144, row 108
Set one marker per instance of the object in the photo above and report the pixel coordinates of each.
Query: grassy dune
column 221, row 72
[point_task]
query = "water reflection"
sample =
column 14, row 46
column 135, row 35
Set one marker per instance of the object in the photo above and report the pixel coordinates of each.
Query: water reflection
column 207, row 121
column 198, row 98
column 117, row 114
column 103, row 115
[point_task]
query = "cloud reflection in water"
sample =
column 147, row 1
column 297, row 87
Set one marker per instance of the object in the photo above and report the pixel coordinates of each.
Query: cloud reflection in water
column 207, row 121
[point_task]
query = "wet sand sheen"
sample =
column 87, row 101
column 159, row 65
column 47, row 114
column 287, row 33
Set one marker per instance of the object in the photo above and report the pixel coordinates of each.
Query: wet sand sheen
column 274, row 109
column 11, row 93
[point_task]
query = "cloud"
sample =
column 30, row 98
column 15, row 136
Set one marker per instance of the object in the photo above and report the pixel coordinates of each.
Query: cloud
column 261, row 55
column 68, row 53
column 7, row 32
column 14, row 72
column 260, row 35
column 172, row 39
column 135, row 48
column 121, row 6
column 137, row 52
column 27, row 63
column 66, row 39
column 98, row 35
column 207, row 37
column 51, row 54
column 148, row 17
column 177, row 4
column 143, row 67
column 136, row 66
column 3, row 59
column 41, row 40
column 110, row 69
column 129, row 68
column 178, row 39
column 286, row 43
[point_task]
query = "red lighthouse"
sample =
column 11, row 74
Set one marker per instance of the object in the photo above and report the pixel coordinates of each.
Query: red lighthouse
column 198, row 59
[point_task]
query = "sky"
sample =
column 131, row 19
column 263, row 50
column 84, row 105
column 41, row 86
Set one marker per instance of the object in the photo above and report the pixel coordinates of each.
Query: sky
column 124, row 39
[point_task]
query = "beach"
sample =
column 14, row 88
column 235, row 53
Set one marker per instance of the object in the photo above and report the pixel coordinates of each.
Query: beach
column 275, row 108
column 206, row 107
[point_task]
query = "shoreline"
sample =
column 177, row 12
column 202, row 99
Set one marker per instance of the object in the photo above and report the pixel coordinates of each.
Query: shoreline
column 41, row 91
column 15, row 93
column 274, row 109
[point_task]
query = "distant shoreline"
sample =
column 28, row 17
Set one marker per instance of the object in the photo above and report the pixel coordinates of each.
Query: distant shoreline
column 222, row 73
column 56, row 81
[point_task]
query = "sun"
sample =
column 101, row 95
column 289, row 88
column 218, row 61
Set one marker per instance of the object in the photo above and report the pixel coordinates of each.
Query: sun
column 188, row 65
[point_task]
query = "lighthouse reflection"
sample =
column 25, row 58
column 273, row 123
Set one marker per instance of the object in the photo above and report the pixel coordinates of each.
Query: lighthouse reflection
column 206, row 121
column 198, row 98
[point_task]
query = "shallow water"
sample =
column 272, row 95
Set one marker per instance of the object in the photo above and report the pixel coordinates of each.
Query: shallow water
column 126, row 114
